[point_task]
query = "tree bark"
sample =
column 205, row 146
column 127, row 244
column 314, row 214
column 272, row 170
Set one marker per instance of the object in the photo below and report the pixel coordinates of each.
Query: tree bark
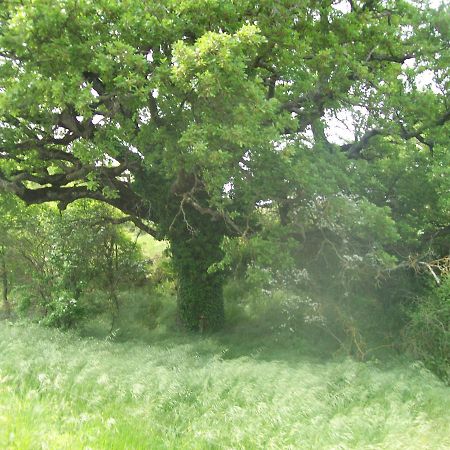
column 5, row 287
column 200, row 290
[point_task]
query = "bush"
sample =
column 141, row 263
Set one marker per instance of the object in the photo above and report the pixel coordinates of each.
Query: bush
column 427, row 335
column 56, row 262
column 63, row 311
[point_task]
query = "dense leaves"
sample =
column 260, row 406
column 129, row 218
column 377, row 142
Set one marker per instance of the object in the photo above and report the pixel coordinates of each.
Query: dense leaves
column 202, row 120
column 55, row 265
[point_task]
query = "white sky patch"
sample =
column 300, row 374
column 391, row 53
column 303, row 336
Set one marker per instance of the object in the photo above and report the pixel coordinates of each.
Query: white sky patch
column 134, row 150
column 407, row 31
column 315, row 15
column 228, row 187
column 145, row 115
column 243, row 166
column 343, row 6
column 436, row 3
column 247, row 156
column 107, row 161
column 59, row 132
column 340, row 127
column 308, row 137
column 423, row 81
column 263, row 203
column 98, row 119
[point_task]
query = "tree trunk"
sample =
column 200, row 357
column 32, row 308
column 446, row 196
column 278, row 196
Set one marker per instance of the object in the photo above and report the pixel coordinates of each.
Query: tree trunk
column 195, row 243
column 6, row 305
column 200, row 292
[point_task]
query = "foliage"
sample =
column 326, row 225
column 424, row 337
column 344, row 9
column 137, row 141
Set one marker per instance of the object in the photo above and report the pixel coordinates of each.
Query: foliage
column 56, row 260
column 190, row 117
column 63, row 311
column 322, row 274
column 144, row 311
column 427, row 335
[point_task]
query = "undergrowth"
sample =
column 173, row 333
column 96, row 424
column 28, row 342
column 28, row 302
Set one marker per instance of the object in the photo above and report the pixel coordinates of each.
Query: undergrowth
column 60, row 391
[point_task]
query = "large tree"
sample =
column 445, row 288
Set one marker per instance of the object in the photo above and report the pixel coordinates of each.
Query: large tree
column 187, row 115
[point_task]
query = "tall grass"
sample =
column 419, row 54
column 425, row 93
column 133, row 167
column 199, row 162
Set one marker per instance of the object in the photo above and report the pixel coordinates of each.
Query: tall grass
column 59, row 391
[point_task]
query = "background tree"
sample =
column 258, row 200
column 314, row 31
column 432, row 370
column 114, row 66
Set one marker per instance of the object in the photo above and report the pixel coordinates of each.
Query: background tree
column 189, row 116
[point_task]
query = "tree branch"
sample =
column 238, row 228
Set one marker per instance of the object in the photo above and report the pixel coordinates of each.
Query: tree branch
column 216, row 215
column 354, row 149
column 121, row 220
column 62, row 191
column 390, row 58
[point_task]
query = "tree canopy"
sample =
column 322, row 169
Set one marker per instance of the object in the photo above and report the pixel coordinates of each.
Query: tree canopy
column 192, row 116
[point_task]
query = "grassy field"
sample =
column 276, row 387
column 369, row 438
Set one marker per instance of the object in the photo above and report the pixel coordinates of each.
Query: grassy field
column 59, row 391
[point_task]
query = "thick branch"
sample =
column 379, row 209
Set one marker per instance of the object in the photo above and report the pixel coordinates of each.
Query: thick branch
column 216, row 215
column 418, row 134
column 96, row 82
column 442, row 231
column 46, row 149
column 354, row 149
column 390, row 58
column 153, row 106
column 68, row 119
column 123, row 198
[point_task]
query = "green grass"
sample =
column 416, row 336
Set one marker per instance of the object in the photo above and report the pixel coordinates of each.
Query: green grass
column 59, row 391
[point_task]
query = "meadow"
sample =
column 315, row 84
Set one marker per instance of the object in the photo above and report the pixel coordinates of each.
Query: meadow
column 62, row 391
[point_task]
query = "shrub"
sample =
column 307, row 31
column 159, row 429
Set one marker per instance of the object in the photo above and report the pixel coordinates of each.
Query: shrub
column 63, row 311
column 56, row 262
column 427, row 334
